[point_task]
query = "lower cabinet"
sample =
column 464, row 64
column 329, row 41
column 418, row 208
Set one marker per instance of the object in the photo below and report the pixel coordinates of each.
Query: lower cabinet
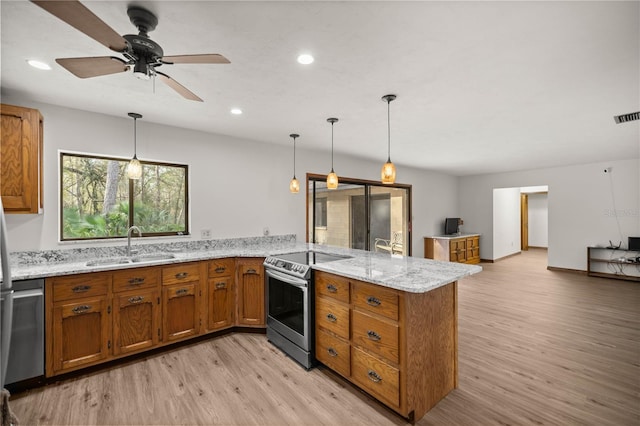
column 95, row 317
column 399, row 347
column 251, row 292
column 463, row 249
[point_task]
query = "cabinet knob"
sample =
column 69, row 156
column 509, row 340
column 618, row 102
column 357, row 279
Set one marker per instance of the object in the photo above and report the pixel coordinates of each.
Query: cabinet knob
column 181, row 292
column 373, row 336
column 331, row 318
column 251, row 271
column 81, row 309
column 182, row 275
column 332, row 352
column 373, row 301
column 136, row 299
column 220, row 269
column 331, row 288
column 374, row 377
column 136, row 281
column 81, row 288
column 221, row 285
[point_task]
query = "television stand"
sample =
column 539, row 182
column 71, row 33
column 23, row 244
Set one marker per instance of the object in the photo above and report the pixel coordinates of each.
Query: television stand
column 616, row 263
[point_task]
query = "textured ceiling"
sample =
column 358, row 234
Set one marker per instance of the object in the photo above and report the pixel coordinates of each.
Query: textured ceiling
column 482, row 86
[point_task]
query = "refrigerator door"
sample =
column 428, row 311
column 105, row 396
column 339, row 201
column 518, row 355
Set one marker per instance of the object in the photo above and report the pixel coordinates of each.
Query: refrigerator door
column 6, row 299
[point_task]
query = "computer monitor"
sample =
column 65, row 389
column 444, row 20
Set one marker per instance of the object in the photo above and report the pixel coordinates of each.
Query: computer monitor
column 451, row 225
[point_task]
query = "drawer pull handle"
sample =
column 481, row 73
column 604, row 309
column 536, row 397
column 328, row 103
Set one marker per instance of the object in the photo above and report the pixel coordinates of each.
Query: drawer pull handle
column 332, row 352
column 181, row 292
column 220, row 269
column 136, row 281
column 136, row 299
column 373, row 301
column 81, row 309
column 332, row 288
column 182, row 275
column 374, row 377
column 373, row 336
column 251, row 271
column 221, row 285
column 81, row 288
column 332, row 318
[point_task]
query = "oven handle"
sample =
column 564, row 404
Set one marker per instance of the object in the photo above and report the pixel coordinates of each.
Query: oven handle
column 298, row 282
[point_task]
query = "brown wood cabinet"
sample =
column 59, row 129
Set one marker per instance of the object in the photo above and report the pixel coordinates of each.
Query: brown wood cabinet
column 78, row 321
column 180, row 301
column 220, row 295
column 136, row 310
column 463, row 249
column 399, row 347
column 21, row 146
column 95, row 317
column 250, row 292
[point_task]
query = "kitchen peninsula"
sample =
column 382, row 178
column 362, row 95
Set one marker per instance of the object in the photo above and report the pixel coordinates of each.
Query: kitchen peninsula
column 210, row 285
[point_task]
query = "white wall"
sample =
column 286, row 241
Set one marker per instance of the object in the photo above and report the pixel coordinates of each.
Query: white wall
column 580, row 204
column 538, row 220
column 237, row 187
column 506, row 223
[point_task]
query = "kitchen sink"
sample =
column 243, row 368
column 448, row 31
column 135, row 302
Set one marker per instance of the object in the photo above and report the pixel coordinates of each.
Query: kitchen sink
column 151, row 257
column 110, row 261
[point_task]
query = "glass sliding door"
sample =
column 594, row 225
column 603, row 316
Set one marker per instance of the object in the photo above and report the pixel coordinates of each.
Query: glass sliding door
column 359, row 214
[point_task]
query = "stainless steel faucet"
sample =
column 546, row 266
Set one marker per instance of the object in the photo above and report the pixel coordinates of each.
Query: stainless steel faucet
column 129, row 232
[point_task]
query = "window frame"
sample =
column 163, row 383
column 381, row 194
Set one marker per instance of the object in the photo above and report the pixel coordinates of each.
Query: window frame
column 131, row 187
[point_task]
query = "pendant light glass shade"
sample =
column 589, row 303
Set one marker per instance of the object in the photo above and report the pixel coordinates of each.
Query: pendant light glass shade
column 388, row 172
column 332, row 178
column 294, row 185
column 134, row 168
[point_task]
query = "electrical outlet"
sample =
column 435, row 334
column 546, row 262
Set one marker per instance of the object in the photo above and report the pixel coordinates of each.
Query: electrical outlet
column 265, row 231
column 205, row 234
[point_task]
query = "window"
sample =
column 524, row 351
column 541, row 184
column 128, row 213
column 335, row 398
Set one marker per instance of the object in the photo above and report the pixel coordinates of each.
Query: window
column 97, row 200
column 359, row 214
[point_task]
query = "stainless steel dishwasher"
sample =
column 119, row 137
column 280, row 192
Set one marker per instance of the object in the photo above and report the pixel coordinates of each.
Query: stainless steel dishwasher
column 26, row 353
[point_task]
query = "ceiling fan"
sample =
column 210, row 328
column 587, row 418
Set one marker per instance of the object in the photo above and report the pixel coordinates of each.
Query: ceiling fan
column 142, row 54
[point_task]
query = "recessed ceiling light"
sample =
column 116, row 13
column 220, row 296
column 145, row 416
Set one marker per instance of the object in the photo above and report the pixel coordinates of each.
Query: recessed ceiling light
column 305, row 59
column 236, row 111
column 38, row 64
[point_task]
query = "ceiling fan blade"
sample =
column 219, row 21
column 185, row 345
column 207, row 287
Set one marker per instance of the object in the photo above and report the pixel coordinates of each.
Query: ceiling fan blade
column 94, row 66
column 78, row 16
column 183, row 91
column 212, row 58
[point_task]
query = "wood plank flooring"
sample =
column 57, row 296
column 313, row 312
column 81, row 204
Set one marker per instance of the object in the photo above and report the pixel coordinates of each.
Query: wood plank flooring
column 536, row 347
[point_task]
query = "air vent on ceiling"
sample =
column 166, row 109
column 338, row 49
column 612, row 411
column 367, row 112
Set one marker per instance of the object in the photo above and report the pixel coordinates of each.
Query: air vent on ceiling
column 627, row 117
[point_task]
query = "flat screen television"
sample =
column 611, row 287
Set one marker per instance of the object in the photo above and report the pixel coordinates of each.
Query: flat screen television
column 451, row 225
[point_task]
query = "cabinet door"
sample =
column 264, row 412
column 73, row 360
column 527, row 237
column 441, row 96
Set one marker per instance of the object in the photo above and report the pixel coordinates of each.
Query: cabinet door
column 473, row 250
column 20, row 159
column 458, row 250
column 220, row 303
column 136, row 320
column 180, row 315
column 251, row 293
column 81, row 332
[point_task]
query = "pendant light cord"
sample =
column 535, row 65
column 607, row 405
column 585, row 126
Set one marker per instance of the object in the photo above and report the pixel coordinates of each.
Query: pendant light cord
column 388, row 130
column 294, row 157
column 332, row 147
column 135, row 140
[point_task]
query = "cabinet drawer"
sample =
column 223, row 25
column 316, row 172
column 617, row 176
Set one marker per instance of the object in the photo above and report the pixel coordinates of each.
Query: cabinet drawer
column 80, row 286
column 376, row 299
column 332, row 316
column 221, row 267
column 131, row 279
column 333, row 352
column 376, row 377
column 380, row 337
column 180, row 273
column 332, row 286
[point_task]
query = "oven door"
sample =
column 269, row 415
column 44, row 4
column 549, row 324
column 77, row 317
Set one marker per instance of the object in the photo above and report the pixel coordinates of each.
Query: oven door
column 288, row 307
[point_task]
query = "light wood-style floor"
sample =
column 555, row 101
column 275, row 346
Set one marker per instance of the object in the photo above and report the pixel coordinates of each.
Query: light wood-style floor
column 535, row 347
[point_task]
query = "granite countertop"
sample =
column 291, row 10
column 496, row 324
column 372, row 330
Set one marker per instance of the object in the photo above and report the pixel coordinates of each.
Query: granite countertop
column 404, row 273
column 453, row 236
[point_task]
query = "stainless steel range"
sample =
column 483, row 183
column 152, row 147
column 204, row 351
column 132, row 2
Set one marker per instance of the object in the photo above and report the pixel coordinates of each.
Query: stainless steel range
column 290, row 313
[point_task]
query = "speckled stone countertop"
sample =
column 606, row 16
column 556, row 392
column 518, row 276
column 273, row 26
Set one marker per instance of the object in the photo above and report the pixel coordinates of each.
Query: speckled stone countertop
column 452, row 236
column 411, row 274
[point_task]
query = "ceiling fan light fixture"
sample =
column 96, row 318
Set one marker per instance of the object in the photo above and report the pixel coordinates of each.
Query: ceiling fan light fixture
column 305, row 59
column 141, row 70
column 294, row 185
column 236, row 111
column 388, row 172
column 332, row 178
column 134, row 168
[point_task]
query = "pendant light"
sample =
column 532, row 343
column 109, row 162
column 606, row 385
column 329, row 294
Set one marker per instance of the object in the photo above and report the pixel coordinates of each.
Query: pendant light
column 294, row 185
column 134, row 168
column 332, row 178
column 388, row 172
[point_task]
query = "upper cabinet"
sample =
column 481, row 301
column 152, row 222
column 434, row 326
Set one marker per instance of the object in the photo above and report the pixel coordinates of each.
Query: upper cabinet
column 21, row 159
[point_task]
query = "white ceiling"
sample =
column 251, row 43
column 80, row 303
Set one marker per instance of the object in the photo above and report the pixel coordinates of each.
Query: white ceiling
column 482, row 86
